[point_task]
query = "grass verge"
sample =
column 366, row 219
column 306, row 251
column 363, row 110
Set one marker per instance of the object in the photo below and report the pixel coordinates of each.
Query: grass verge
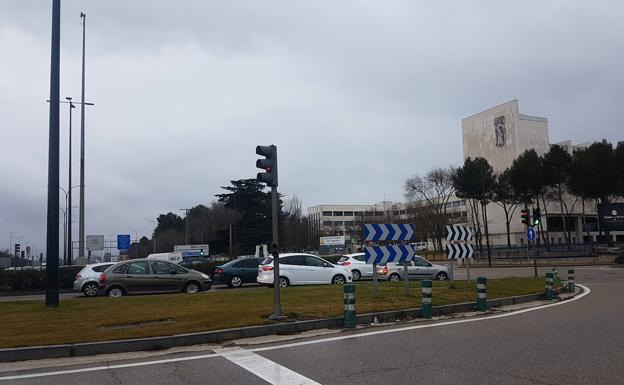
column 28, row 323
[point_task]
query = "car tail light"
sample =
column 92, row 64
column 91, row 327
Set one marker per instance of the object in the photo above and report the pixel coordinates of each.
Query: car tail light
column 267, row 268
column 346, row 263
column 218, row 270
column 103, row 278
column 385, row 270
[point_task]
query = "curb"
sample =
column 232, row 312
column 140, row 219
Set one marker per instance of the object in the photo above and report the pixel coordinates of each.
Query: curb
column 167, row 342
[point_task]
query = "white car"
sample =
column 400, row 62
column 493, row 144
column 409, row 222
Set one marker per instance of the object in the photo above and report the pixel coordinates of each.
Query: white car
column 356, row 263
column 418, row 268
column 302, row 269
column 87, row 280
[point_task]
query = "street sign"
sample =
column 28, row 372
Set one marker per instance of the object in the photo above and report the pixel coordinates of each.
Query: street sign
column 192, row 250
column 458, row 233
column 611, row 216
column 123, row 242
column 459, row 250
column 384, row 254
column 388, row 232
column 95, row 242
column 531, row 234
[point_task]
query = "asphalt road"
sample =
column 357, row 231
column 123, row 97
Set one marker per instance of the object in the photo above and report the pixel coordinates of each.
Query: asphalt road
column 573, row 342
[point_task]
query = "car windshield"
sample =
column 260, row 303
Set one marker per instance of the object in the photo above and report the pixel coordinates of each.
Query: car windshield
column 343, row 259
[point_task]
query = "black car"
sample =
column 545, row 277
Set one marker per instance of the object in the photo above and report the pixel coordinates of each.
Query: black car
column 236, row 273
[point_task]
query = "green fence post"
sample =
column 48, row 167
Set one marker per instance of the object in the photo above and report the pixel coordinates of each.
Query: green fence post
column 481, row 294
column 426, row 298
column 548, row 293
column 571, row 286
column 350, row 318
column 556, row 275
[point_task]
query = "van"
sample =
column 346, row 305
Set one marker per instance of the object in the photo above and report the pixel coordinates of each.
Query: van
column 169, row 257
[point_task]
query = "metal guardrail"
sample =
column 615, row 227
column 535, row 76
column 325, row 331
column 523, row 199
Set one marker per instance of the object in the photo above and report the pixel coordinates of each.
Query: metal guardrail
column 552, row 251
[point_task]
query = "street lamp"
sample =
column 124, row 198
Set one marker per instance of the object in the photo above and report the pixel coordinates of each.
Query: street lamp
column 11, row 241
column 186, row 219
column 67, row 240
column 154, row 234
column 136, row 239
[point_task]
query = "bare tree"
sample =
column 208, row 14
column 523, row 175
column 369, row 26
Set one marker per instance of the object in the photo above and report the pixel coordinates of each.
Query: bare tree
column 434, row 190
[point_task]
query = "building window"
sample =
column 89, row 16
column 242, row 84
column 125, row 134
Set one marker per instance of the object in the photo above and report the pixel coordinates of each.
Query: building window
column 348, row 223
column 337, row 213
column 327, row 213
column 338, row 223
column 327, row 223
column 348, row 213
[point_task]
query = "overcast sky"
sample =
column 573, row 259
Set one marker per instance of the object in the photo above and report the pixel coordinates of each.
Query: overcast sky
column 357, row 95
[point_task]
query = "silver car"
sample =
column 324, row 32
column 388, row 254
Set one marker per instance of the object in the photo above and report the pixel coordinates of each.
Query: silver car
column 87, row 280
column 418, row 268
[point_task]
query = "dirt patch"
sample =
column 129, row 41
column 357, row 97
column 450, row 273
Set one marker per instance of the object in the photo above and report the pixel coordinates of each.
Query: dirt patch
column 137, row 324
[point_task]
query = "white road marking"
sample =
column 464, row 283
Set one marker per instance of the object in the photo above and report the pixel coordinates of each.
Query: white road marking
column 586, row 291
column 263, row 367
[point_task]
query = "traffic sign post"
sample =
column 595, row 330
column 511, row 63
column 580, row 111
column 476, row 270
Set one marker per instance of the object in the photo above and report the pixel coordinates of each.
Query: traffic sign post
column 458, row 247
column 399, row 253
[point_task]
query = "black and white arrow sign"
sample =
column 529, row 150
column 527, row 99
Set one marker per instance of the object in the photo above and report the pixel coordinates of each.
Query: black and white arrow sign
column 459, row 250
column 458, row 233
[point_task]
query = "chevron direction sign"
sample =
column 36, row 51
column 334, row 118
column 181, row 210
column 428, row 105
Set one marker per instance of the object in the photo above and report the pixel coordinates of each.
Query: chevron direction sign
column 384, row 254
column 459, row 250
column 458, row 233
column 388, row 232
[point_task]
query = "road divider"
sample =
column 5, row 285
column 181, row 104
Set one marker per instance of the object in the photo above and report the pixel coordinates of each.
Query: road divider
column 426, row 298
column 548, row 292
column 571, row 287
column 481, row 294
column 350, row 317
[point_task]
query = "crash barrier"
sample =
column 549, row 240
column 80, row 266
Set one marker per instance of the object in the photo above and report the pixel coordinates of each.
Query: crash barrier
column 426, row 298
column 481, row 294
column 350, row 317
column 548, row 292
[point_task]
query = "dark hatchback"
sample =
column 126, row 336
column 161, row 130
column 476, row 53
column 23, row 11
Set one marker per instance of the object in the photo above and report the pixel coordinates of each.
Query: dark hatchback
column 236, row 273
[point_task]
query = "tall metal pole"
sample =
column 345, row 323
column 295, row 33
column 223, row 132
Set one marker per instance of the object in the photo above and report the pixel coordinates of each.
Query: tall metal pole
column 186, row 220
column 81, row 225
column 11, row 242
column 52, row 233
column 69, row 256
column 277, row 307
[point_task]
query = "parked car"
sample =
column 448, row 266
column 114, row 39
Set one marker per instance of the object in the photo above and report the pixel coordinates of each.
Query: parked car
column 237, row 272
column 142, row 276
column 87, row 279
column 418, row 268
column 302, row 269
column 356, row 263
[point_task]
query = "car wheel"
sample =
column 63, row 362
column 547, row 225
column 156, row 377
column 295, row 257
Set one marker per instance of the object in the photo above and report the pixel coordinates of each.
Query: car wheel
column 115, row 292
column 338, row 280
column 394, row 277
column 442, row 276
column 356, row 275
column 90, row 289
column 283, row 282
column 191, row 288
column 235, row 281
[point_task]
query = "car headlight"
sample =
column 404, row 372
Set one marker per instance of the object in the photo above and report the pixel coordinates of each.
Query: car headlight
column 205, row 276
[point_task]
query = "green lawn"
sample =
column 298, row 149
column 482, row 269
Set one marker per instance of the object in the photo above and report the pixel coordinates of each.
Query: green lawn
column 27, row 323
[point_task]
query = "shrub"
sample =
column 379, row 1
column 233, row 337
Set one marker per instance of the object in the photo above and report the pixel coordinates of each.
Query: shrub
column 35, row 279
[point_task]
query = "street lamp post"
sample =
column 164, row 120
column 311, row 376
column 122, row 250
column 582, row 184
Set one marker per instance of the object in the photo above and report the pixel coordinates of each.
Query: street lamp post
column 186, row 219
column 154, row 234
column 11, row 241
column 136, row 239
column 68, row 215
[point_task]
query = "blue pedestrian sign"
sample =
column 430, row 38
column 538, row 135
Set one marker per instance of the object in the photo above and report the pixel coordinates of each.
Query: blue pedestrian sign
column 531, row 234
column 123, row 242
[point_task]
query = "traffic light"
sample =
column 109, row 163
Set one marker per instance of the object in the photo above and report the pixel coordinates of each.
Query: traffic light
column 269, row 164
column 525, row 216
column 17, row 250
column 537, row 216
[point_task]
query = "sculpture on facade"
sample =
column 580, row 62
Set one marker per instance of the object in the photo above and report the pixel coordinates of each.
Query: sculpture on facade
column 499, row 129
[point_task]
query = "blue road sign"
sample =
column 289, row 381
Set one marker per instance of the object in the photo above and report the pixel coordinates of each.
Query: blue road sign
column 531, row 234
column 388, row 232
column 384, row 254
column 123, row 241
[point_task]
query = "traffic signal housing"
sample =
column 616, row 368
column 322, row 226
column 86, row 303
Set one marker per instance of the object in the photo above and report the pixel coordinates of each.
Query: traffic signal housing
column 537, row 216
column 269, row 164
column 525, row 216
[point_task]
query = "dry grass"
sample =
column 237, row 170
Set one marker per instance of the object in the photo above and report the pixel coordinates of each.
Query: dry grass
column 27, row 323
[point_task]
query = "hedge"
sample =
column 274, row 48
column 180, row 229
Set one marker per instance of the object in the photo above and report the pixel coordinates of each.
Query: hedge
column 34, row 279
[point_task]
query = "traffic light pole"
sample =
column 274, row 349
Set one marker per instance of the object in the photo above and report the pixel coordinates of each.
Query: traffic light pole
column 277, row 305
